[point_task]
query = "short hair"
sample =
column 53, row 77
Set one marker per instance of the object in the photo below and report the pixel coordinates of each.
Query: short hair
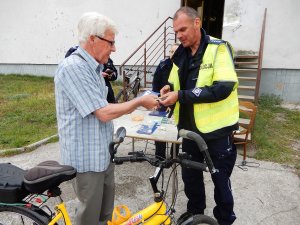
column 190, row 12
column 93, row 23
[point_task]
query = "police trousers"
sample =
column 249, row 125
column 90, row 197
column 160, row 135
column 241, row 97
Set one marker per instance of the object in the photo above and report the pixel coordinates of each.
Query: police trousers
column 223, row 154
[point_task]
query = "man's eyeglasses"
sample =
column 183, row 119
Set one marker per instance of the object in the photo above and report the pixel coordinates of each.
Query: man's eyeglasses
column 112, row 43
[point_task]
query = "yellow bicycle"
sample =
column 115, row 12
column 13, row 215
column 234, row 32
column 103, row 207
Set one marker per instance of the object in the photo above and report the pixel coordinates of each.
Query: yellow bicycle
column 24, row 202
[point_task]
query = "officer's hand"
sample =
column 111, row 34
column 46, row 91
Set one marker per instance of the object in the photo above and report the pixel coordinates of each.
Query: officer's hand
column 169, row 98
column 165, row 90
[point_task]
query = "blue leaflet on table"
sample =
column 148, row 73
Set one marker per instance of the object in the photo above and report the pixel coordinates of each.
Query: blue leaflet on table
column 158, row 113
column 147, row 129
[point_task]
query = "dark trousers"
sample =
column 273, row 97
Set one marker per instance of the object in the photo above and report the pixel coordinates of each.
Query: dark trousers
column 160, row 150
column 223, row 155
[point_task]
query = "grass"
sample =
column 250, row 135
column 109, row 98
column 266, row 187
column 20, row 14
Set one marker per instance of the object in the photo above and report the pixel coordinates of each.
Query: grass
column 276, row 135
column 27, row 112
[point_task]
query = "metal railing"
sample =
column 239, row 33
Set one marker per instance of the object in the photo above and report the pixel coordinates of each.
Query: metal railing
column 147, row 55
column 260, row 57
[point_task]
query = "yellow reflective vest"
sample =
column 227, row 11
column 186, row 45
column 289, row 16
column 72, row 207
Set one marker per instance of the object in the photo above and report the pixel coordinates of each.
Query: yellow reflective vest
column 217, row 65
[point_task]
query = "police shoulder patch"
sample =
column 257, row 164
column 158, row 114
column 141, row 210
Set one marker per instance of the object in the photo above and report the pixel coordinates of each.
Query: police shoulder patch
column 216, row 41
column 197, row 91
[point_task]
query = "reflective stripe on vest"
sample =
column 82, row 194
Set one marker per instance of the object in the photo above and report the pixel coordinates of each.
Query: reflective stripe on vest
column 215, row 67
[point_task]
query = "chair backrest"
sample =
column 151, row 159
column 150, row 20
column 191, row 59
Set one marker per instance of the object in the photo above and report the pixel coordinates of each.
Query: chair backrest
column 248, row 109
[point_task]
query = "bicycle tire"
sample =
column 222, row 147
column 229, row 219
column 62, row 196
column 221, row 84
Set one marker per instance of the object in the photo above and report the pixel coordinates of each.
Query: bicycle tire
column 129, row 94
column 119, row 96
column 203, row 220
column 133, row 91
column 11, row 215
column 136, row 88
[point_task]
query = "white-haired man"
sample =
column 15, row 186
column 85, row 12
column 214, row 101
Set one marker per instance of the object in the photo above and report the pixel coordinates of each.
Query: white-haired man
column 84, row 117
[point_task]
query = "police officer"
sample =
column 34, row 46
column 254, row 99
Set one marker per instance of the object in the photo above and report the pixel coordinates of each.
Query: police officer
column 203, row 87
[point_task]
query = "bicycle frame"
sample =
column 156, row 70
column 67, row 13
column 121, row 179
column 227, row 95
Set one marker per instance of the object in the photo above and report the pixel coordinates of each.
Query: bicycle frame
column 155, row 214
column 61, row 212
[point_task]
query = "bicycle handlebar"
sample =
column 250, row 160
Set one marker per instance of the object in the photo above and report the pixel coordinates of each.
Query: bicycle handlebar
column 201, row 145
column 181, row 159
column 195, row 137
column 137, row 70
column 113, row 146
column 194, row 165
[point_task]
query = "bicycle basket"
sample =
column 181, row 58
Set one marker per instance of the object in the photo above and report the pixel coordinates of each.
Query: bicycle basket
column 120, row 214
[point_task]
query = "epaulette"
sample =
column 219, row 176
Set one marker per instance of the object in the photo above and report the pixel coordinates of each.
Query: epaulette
column 216, row 41
column 219, row 41
column 164, row 62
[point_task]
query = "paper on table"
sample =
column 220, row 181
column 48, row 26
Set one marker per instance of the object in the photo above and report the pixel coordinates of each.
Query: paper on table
column 147, row 128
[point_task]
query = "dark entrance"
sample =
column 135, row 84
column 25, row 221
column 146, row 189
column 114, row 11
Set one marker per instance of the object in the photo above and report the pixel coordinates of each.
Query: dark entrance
column 211, row 13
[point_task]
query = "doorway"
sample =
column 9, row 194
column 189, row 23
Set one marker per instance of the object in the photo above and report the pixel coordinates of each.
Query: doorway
column 211, row 13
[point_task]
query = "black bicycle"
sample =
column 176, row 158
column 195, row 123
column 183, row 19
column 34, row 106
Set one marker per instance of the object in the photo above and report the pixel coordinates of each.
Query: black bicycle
column 132, row 84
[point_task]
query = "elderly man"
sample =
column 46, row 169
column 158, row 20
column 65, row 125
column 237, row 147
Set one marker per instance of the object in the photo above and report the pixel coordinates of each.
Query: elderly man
column 84, row 117
column 203, row 87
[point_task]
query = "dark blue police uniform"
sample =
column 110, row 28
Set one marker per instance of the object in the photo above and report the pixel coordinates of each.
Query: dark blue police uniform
column 219, row 142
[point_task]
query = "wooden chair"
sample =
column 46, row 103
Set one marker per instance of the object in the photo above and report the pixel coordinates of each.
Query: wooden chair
column 247, row 117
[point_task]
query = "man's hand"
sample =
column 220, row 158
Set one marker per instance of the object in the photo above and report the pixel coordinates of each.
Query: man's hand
column 169, row 99
column 148, row 101
column 165, row 90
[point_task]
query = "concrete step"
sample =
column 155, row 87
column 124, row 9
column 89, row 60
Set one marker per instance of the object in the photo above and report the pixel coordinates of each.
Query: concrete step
column 245, row 87
column 246, row 70
column 245, row 63
column 247, row 78
column 246, row 57
column 246, row 97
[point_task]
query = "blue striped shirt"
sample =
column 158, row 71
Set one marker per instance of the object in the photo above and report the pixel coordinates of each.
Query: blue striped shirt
column 80, row 90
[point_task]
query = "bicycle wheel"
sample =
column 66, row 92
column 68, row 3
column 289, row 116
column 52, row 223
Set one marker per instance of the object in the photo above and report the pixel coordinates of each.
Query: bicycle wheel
column 130, row 94
column 119, row 96
column 136, row 88
column 203, row 220
column 18, row 215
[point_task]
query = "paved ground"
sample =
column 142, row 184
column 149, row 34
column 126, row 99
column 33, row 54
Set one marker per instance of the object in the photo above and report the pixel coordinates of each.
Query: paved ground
column 266, row 195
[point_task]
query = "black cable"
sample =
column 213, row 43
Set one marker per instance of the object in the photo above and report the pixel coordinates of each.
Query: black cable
column 169, row 208
column 246, row 164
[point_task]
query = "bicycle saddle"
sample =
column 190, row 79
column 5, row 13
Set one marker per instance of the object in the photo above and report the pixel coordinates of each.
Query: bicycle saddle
column 47, row 175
